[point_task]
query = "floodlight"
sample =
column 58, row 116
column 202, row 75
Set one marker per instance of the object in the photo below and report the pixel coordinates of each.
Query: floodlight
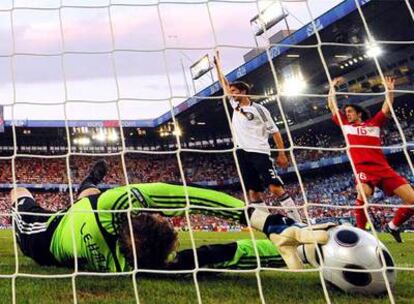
column 373, row 50
column 100, row 135
column 294, row 85
column 201, row 67
column 113, row 136
column 293, row 81
column 177, row 131
column 82, row 141
column 267, row 18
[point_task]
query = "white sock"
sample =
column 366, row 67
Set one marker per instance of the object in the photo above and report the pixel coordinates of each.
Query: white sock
column 291, row 209
column 392, row 226
column 261, row 206
column 258, row 219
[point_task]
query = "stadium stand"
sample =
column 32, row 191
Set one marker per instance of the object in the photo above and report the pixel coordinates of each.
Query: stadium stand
column 321, row 187
column 211, row 169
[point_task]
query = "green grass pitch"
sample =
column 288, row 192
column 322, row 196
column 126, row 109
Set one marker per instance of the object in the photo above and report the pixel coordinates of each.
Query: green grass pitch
column 278, row 287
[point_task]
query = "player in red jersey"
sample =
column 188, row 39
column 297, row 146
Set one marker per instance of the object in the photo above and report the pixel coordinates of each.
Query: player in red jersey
column 371, row 165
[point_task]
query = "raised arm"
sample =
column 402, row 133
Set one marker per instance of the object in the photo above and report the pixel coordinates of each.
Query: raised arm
column 389, row 98
column 220, row 75
column 333, row 106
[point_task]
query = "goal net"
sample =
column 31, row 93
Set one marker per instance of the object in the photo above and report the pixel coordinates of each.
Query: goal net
column 132, row 82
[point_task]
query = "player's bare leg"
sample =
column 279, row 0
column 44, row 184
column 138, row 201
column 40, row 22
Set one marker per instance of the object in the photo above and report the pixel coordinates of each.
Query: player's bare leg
column 255, row 196
column 406, row 193
column 360, row 216
column 277, row 190
column 89, row 192
column 286, row 201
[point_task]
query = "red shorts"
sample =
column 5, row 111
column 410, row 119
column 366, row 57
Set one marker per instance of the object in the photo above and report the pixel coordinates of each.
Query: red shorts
column 384, row 178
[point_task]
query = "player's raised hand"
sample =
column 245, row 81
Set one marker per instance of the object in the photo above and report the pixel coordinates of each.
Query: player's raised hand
column 389, row 99
column 216, row 59
column 282, row 161
column 334, row 83
column 220, row 75
column 332, row 92
column 390, row 82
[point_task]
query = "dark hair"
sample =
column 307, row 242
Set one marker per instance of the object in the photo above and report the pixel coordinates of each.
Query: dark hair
column 154, row 239
column 242, row 86
column 365, row 114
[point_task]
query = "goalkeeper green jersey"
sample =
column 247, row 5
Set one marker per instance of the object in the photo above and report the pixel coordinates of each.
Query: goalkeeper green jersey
column 89, row 230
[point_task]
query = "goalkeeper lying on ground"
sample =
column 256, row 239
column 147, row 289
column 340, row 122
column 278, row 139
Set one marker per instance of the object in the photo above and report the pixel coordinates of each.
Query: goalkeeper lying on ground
column 103, row 241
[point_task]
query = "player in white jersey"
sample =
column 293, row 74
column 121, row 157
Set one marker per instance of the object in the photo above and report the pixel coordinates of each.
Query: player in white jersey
column 252, row 125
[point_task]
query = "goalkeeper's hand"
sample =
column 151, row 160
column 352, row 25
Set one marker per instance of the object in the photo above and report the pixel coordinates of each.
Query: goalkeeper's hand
column 294, row 236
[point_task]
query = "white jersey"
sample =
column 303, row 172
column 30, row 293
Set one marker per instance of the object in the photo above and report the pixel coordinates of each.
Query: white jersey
column 252, row 126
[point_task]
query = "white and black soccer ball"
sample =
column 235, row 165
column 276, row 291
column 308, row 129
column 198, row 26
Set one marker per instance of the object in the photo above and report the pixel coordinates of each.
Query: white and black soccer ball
column 355, row 249
column 351, row 248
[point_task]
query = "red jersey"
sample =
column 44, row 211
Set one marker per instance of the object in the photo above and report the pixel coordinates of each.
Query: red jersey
column 367, row 133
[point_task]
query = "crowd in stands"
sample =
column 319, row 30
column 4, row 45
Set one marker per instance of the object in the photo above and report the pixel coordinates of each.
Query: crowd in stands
column 140, row 168
column 218, row 168
column 337, row 190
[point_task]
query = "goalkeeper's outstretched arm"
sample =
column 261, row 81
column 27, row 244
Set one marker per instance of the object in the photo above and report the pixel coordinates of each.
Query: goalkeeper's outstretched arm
column 240, row 255
column 285, row 233
column 235, row 255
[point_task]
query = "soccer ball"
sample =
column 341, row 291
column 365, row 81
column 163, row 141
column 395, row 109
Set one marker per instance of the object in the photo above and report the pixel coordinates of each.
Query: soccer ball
column 355, row 249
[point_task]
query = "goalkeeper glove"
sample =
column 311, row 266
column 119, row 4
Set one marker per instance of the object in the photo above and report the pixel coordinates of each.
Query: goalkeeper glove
column 294, row 236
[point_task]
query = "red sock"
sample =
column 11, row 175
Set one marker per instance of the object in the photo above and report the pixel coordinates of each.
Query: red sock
column 402, row 214
column 361, row 219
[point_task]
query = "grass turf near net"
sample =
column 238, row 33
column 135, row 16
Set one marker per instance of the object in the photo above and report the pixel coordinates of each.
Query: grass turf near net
column 278, row 287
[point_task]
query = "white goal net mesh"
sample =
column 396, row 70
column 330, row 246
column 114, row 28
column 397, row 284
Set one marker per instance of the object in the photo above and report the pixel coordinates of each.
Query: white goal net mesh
column 72, row 61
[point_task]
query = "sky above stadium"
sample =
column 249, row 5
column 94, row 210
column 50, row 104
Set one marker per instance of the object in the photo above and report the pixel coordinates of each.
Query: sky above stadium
column 145, row 71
